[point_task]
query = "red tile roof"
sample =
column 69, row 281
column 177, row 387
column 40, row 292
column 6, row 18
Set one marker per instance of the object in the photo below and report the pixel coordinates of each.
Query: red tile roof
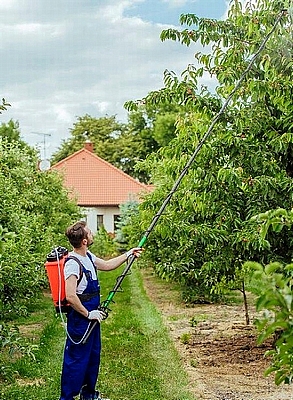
column 95, row 182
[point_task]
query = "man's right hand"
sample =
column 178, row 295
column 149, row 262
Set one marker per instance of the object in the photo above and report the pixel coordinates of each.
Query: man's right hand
column 96, row 315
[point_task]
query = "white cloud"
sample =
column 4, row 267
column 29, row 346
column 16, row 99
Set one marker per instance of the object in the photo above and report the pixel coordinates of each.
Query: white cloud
column 7, row 4
column 33, row 29
column 102, row 106
column 62, row 113
column 177, row 3
column 62, row 59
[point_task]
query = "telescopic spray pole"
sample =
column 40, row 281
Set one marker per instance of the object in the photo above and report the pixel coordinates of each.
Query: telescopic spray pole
column 105, row 304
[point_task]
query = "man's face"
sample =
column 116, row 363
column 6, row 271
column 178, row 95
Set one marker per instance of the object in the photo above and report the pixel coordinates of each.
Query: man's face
column 90, row 237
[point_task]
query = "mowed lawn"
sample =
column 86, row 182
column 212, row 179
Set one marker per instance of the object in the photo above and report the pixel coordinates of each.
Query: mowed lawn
column 139, row 361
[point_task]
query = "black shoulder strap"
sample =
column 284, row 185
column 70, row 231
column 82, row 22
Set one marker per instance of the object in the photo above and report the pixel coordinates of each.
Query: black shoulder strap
column 80, row 267
column 90, row 257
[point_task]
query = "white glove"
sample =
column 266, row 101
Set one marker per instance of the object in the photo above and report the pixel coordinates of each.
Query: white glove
column 135, row 251
column 96, row 314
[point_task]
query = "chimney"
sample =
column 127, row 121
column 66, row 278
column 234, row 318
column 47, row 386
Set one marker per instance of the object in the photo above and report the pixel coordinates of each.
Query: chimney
column 88, row 145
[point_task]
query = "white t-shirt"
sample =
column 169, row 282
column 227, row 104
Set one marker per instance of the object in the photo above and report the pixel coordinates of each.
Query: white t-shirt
column 73, row 268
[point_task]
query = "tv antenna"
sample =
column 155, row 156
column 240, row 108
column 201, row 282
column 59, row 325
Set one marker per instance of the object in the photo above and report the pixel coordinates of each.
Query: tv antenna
column 44, row 163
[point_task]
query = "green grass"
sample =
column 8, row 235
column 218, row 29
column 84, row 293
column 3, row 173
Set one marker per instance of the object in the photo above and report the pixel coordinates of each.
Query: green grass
column 38, row 378
column 139, row 361
column 147, row 362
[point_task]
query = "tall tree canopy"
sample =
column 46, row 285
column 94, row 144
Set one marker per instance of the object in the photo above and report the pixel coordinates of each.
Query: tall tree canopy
column 11, row 132
column 246, row 166
column 218, row 218
column 148, row 129
column 35, row 210
column 102, row 132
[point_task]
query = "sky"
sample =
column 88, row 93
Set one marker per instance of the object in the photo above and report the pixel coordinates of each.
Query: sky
column 63, row 59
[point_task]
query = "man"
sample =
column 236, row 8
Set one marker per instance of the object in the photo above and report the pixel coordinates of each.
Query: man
column 82, row 360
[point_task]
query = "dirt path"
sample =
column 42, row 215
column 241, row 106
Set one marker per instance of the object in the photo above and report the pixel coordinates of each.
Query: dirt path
column 218, row 350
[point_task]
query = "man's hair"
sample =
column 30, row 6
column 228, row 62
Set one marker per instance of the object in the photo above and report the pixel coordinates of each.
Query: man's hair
column 76, row 233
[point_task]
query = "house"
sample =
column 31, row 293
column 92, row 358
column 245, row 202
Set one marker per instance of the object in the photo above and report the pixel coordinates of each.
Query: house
column 98, row 186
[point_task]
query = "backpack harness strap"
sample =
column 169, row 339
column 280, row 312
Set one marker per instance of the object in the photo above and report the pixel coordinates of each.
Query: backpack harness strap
column 83, row 296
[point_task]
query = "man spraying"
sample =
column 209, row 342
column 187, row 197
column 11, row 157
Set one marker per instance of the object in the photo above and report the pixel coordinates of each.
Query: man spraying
column 81, row 359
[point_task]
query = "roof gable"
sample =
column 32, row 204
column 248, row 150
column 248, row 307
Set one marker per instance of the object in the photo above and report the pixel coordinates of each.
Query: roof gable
column 95, row 182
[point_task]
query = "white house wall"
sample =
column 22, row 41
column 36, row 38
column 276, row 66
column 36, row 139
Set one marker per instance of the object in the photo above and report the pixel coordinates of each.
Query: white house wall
column 91, row 213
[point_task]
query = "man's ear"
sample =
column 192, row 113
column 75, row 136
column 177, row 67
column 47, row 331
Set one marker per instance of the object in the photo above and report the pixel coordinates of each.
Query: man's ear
column 84, row 242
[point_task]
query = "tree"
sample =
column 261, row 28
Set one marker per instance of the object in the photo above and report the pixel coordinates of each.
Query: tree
column 35, row 209
column 245, row 167
column 272, row 284
column 148, row 129
column 11, row 132
column 4, row 105
column 102, row 132
column 127, row 211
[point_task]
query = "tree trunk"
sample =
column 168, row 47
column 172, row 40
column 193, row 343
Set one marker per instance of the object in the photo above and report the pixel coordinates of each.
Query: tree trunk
column 245, row 303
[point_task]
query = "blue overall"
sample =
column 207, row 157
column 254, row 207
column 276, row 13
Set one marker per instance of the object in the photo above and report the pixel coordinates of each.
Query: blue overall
column 81, row 362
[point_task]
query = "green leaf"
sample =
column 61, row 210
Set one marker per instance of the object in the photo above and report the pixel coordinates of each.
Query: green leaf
column 272, row 267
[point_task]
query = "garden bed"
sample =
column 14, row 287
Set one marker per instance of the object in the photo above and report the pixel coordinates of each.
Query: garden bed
column 219, row 351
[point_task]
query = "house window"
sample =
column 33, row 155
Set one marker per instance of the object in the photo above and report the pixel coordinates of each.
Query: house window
column 116, row 219
column 100, row 221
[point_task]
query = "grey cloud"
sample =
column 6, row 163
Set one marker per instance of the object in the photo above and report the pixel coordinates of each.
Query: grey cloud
column 64, row 61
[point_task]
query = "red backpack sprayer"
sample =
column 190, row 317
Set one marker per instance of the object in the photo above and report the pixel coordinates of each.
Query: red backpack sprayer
column 59, row 293
column 55, row 271
column 55, row 267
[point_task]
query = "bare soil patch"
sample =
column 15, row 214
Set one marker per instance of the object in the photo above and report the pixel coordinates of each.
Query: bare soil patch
column 30, row 382
column 218, row 350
